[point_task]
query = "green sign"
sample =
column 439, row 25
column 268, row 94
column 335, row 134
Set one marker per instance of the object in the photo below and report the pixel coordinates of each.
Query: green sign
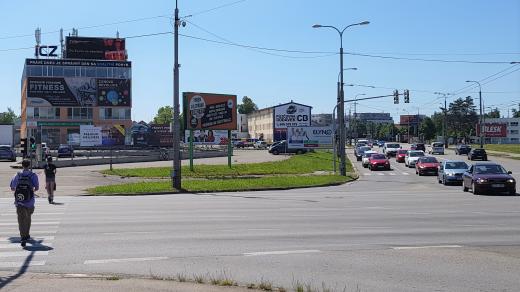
column 62, row 124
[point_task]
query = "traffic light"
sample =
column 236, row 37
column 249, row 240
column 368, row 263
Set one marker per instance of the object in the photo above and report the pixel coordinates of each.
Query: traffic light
column 33, row 144
column 406, row 96
column 23, row 145
column 396, row 97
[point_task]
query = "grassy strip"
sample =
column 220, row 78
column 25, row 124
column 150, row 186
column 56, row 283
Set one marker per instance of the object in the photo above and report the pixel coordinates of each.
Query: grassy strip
column 297, row 164
column 506, row 148
column 236, row 184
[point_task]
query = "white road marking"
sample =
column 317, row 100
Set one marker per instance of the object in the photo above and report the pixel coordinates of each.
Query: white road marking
column 17, row 245
column 21, row 264
column 380, row 173
column 406, row 173
column 23, row 253
column 280, row 252
column 130, row 232
column 34, row 214
column 262, row 229
column 108, row 261
column 33, row 223
column 37, row 238
column 367, row 174
column 426, row 246
column 391, row 173
column 16, row 232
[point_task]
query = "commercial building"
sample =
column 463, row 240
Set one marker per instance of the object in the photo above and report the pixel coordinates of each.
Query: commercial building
column 377, row 118
column 322, row 120
column 500, row 131
column 91, row 85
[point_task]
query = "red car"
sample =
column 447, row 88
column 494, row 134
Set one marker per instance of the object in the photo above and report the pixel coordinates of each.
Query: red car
column 377, row 161
column 427, row 165
column 399, row 157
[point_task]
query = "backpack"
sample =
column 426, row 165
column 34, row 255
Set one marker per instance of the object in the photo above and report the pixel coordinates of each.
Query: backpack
column 24, row 188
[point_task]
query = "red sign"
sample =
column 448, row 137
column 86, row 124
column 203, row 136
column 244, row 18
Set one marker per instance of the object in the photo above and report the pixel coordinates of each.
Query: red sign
column 493, row 130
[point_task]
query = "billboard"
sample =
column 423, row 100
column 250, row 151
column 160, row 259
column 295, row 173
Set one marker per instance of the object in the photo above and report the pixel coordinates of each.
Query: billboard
column 95, row 48
column 207, row 137
column 89, row 136
column 292, row 115
column 160, row 135
column 493, row 130
column 210, row 111
column 309, row 137
column 83, row 63
column 113, row 92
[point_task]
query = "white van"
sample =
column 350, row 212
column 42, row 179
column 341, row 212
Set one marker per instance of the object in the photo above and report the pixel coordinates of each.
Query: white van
column 436, row 147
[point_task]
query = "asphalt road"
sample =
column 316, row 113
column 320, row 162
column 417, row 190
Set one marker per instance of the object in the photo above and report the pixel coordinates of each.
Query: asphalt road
column 388, row 231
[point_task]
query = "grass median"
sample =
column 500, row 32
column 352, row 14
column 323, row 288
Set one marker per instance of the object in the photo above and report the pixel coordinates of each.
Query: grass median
column 505, row 148
column 307, row 170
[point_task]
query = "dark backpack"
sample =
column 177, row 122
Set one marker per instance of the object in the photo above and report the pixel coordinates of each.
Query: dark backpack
column 24, row 188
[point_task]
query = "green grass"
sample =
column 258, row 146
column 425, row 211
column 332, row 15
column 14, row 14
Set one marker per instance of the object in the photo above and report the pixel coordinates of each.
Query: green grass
column 506, row 148
column 297, row 164
column 234, row 184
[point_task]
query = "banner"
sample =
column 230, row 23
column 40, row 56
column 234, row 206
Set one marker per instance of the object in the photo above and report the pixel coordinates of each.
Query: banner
column 207, row 137
column 309, row 137
column 493, row 130
column 292, row 115
column 95, row 48
column 210, row 111
column 90, row 136
column 83, row 63
column 113, row 92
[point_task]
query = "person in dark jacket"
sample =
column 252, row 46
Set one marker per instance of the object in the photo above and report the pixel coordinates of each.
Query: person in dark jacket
column 50, row 179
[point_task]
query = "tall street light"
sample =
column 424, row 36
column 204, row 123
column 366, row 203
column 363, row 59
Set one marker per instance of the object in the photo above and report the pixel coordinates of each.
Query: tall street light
column 480, row 117
column 339, row 84
column 341, row 106
column 445, row 118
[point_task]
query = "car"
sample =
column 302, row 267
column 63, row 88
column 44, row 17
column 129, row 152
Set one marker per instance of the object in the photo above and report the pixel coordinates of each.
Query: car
column 65, row 151
column 282, row 148
column 366, row 157
column 7, row 153
column 418, row 146
column 381, row 143
column 390, row 149
column 274, row 144
column 411, row 157
column 462, row 149
column 488, row 178
column 436, row 148
column 478, row 153
column 451, row 171
column 360, row 151
column 427, row 165
column 400, row 155
column 260, row 145
column 378, row 161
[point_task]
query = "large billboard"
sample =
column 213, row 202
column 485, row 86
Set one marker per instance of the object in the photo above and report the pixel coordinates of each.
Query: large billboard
column 292, row 115
column 309, row 137
column 83, row 63
column 493, row 130
column 95, row 48
column 210, row 111
column 207, row 137
column 113, row 92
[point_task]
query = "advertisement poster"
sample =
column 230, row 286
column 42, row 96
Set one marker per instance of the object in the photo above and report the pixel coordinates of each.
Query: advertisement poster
column 210, row 111
column 309, row 137
column 111, row 135
column 83, row 63
column 493, row 130
column 292, row 115
column 207, row 137
column 160, row 135
column 90, row 136
column 95, row 48
column 113, row 92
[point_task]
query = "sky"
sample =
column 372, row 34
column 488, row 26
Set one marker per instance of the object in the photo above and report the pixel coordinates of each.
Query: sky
column 219, row 49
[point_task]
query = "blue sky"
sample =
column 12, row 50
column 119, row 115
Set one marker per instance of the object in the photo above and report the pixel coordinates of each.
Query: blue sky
column 476, row 30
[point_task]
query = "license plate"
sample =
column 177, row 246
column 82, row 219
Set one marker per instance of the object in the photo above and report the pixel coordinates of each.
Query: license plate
column 497, row 185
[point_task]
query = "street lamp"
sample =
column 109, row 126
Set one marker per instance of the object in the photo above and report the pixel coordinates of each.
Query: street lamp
column 480, row 117
column 341, row 111
column 445, row 118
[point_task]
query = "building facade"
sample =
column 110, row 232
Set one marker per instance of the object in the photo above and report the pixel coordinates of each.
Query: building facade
column 500, row 131
column 260, row 124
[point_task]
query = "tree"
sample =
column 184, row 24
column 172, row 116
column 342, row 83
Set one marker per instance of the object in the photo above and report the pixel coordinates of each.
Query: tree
column 165, row 116
column 438, row 122
column 494, row 113
column 462, row 117
column 427, row 129
column 247, row 106
column 8, row 117
column 516, row 113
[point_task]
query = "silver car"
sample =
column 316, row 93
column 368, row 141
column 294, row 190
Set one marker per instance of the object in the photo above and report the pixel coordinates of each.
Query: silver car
column 451, row 171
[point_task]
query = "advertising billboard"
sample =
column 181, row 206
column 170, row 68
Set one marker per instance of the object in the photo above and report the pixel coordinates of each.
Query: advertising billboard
column 95, row 48
column 160, row 135
column 113, row 92
column 83, row 63
column 292, row 115
column 309, row 137
column 207, row 137
column 493, row 130
column 210, row 111
column 89, row 136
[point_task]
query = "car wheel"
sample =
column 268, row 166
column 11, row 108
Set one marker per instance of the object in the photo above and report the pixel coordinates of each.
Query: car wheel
column 275, row 152
column 512, row 192
column 474, row 189
column 464, row 188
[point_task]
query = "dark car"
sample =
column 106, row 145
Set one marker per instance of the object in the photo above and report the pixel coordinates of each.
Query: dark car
column 282, row 148
column 418, row 146
column 488, row 178
column 65, row 151
column 7, row 153
column 381, row 143
column 478, row 153
column 462, row 149
column 360, row 151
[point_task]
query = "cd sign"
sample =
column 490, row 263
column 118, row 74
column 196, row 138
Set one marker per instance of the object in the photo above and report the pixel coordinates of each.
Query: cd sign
column 292, row 115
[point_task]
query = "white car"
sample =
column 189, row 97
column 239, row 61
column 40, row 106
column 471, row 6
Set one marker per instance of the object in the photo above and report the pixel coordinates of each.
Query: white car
column 436, row 147
column 366, row 156
column 260, row 145
column 390, row 149
column 412, row 156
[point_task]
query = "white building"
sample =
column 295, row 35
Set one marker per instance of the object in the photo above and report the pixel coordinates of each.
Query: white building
column 501, row 131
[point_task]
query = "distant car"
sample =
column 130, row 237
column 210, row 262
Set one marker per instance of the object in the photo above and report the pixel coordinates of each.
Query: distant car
column 282, row 148
column 462, row 149
column 390, row 149
column 366, row 157
column 381, row 143
column 412, row 156
column 378, row 161
column 401, row 154
column 478, row 153
column 7, row 153
column 65, row 151
column 451, row 171
column 359, row 151
column 418, row 146
column 489, row 178
column 436, row 148
column 239, row 144
column 427, row 165
column 260, row 145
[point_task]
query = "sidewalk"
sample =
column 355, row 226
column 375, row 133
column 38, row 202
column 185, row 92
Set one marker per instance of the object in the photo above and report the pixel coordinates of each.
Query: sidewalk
column 37, row 282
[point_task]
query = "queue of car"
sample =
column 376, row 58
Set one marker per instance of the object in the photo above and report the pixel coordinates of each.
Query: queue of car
column 481, row 177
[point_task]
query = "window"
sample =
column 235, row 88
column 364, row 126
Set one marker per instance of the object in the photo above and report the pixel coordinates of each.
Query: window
column 101, row 72
column 57, row 71
column 514, row 131
column 513, row 124
column 36, row 112
column 79, row 113
column 69, row 72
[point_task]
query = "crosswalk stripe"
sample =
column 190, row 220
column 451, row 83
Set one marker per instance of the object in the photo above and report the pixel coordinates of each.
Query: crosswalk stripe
column 406, row 173
column 37, row 238
column 21, row 264
column 391, row 173
column 367, row 174
column 23, row 253
column 17, row 245
column 33, row 223
column 15, row 232
column 35, row 214
column 380, row 174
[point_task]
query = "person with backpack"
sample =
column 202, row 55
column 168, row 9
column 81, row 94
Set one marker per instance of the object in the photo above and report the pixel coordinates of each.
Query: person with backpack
column 50, row 179
column 24, row 184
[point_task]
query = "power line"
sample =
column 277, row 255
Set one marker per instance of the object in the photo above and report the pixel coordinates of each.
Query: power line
column 427, row 60
column 16, row 49
column 213, row 9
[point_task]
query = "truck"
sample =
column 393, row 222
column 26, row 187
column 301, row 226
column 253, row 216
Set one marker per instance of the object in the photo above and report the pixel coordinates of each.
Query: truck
column 7, row 135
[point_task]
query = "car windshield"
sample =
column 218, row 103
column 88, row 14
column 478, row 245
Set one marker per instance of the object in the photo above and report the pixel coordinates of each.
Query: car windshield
column 369, row 154
column 456, row 165
column 378, row 156
column 364, row 148
column 392, row 146
column 479, row 151
column 428, row 160
column 416, row 154
column 4, row 148
column 490, row 169
column 438, row 145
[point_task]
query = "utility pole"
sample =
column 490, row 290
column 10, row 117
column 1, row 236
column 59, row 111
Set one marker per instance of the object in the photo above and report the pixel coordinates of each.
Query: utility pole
column 176, row 171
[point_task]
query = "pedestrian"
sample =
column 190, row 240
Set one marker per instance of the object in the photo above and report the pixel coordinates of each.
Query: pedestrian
column 50, row 179
column 24, row 184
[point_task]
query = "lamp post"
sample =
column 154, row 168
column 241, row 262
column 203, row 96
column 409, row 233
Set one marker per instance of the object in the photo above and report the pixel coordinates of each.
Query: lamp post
column 176, row 168
column 445, row 118
column 480, row 117
column 341, row 107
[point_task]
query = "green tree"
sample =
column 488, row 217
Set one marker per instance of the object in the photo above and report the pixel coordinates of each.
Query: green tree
column 438, row 122
column 462, row 117
column 427, row 129
column 247, row 106
column 494, row 113
column 165, row 116
column 516, row 113
column 8, row 117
